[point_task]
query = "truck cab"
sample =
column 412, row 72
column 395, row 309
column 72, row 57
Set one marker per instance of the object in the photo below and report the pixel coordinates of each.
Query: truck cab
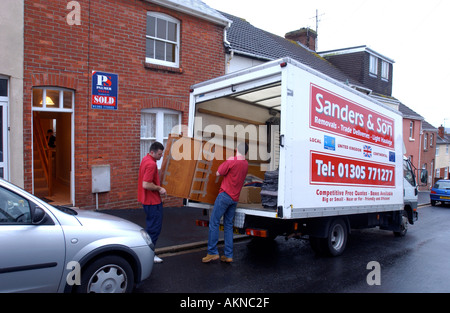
column 410, row 191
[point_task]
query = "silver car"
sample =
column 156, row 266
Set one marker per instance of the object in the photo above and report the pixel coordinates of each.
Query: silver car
column 58, row 249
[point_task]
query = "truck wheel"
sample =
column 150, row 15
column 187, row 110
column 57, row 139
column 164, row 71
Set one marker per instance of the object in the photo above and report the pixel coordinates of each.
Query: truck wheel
column 403, row 226
column 334, row 244
column 337, row 238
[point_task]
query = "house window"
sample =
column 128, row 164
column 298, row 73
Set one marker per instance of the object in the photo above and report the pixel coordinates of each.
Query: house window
column 156, row 125
column 3, row 87
column 425, row 142
column 52, row 98
column 431, row 140
column 384, row 70
column 162, row 40
column 411, row 130
column 4, row 146
column 373, row 65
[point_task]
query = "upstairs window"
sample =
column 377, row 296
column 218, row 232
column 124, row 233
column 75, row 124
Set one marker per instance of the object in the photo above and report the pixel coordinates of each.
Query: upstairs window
column 162, row 40
column 411, row 130
column 373, row 65
column 384, row 70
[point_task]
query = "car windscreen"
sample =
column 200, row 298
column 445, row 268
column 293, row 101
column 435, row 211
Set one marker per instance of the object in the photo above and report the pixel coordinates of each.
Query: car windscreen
column 442, row 185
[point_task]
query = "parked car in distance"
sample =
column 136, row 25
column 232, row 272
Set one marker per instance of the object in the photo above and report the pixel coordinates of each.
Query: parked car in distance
column 440, row 192
column 44, row 248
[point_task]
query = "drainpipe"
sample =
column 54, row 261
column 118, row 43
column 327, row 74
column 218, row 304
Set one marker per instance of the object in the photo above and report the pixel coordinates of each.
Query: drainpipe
column 227, row 45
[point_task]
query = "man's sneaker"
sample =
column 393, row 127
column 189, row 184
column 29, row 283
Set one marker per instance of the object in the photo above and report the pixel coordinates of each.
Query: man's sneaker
column 225, row 259
column 157, row 259
column 210, row 257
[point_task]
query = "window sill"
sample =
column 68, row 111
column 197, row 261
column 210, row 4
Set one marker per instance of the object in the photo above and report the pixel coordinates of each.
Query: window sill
column 411, row 139
column 163, row 68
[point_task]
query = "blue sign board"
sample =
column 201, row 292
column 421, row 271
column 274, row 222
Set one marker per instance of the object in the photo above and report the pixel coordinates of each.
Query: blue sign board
column 104, row 90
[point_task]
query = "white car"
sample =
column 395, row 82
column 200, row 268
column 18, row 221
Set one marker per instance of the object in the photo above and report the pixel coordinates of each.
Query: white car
column 58, row 249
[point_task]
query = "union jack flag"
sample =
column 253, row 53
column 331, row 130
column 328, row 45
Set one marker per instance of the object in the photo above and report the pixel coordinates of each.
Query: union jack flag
column 367, row 151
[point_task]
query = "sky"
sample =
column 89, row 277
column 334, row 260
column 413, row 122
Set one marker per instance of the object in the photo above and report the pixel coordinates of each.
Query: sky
column 415, row 34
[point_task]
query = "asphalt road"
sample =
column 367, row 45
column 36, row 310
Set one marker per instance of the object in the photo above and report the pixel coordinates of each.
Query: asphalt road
column 418, row 262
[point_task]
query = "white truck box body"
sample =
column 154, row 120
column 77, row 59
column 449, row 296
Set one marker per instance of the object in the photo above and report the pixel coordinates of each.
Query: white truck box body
column 340, row 150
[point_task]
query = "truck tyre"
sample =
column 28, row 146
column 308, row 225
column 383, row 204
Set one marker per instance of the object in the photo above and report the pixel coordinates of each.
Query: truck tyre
column 336, row 241
column 403, row 226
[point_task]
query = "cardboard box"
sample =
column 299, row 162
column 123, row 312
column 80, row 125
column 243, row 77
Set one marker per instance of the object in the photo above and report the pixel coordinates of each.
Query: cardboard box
column 250, row 195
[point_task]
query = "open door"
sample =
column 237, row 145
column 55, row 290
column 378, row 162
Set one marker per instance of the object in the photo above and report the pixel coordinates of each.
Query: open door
column 52, row 156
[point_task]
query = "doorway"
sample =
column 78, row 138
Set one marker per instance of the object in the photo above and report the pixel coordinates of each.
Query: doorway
column 52, row 145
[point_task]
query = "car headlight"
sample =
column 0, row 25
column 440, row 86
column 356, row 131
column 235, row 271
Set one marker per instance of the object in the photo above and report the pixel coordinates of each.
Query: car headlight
column 147, row 239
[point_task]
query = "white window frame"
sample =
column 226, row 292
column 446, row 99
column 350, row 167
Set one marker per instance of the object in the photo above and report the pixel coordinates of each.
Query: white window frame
column 425, row 141
column 385, row 70
column 167, row 18
column 411, row 131
column 373, row 65
column 57, row 107
column 4, row 101
column 159, row 131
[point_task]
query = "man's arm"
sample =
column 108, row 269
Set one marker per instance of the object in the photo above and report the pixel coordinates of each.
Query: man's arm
column 153, row 187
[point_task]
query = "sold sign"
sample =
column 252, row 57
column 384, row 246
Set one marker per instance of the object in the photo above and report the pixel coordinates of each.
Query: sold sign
column 104, row 90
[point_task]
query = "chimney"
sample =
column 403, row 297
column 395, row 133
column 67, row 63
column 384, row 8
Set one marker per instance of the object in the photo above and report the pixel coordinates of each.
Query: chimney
column 306, row 36
column 441, row 131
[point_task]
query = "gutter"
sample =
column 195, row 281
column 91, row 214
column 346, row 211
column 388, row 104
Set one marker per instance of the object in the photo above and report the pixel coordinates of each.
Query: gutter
column 193, row 12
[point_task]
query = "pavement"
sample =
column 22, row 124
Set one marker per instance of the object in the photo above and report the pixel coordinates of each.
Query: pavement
column 179, row 231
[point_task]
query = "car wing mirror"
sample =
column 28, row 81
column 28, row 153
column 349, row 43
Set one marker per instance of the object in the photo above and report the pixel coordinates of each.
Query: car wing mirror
column 38, row 215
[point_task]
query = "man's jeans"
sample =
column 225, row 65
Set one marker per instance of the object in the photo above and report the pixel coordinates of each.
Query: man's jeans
column 154, row 217
column 226, row 207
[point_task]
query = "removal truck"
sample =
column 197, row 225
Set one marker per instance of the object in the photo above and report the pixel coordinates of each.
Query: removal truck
column 323, row 157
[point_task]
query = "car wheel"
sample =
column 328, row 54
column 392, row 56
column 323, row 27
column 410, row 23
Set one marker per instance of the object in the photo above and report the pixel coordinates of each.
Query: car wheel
column 110, row 274
column 433, row 202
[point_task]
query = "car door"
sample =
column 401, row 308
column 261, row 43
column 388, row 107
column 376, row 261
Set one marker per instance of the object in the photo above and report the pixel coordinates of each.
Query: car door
column 31, row 256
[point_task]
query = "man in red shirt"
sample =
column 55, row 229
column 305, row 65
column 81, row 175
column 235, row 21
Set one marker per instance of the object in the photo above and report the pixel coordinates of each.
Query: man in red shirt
column 150, row 191
column 234, row 170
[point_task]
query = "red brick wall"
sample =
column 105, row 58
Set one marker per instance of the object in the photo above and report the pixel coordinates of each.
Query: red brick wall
column 412, row 144
column 428, row 156
column 111, row 38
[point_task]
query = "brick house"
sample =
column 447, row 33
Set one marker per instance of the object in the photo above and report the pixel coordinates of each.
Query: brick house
column 147, row 51
column 442, row 154
column 428, row 153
